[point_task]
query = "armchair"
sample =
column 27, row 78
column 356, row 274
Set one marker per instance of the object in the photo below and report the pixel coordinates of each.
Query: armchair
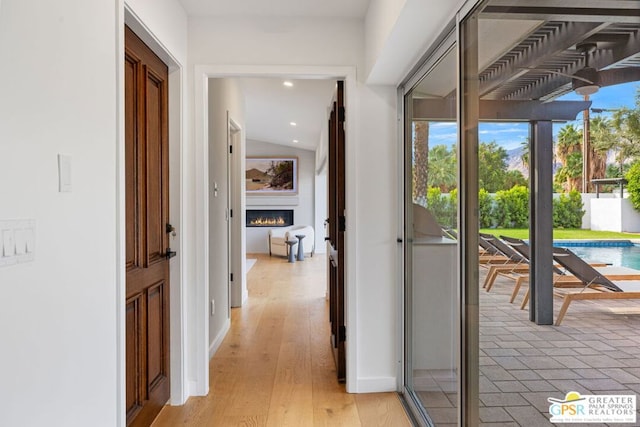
column 278, row 237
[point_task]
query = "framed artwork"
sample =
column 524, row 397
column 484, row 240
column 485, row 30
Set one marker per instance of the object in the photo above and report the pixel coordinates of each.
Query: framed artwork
column 272, row 175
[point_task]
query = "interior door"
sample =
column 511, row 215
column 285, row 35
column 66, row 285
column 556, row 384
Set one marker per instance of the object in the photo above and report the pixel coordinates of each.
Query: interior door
column 337, row 228
column 147, row 243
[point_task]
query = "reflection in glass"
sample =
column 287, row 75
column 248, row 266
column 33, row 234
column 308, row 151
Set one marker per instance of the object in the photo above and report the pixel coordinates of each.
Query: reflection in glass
column 432, row 266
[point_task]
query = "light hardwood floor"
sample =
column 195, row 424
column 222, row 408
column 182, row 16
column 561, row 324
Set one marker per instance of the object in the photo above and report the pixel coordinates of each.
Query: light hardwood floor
column 275, row 367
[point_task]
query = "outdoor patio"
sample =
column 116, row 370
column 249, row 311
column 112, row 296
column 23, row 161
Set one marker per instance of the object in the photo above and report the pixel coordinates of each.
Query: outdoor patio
column 596, row 350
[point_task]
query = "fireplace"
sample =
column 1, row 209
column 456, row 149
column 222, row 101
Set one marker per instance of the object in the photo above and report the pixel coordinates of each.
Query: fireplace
column 269, row 217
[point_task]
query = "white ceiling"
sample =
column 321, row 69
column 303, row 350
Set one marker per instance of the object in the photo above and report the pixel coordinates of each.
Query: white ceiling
column 270, row 106
column 287, row 8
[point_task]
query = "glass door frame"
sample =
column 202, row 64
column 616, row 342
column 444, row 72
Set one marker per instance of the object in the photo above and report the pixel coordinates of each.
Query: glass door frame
column 431, row 59
column 460, row 34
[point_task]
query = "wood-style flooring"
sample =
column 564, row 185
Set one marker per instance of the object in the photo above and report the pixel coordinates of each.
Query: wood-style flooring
column 275, row 367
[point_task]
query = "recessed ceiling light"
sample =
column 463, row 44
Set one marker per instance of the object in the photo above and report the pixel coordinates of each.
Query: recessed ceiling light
column 295, row 140
column 293, row 124
column 288, row 83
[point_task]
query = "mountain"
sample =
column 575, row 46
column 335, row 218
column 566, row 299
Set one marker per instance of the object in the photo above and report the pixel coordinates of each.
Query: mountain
column 514, row 162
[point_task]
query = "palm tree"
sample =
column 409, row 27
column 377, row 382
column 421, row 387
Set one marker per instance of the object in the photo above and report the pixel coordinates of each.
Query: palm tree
column 420, row 161
column 524, row 157
column 568, row 147
column 442, row 168
column 602, row 140
column 626, row 126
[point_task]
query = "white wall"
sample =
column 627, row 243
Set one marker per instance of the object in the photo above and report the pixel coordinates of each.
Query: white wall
column 224, row 96
column 630, row 217
column 259, row 41
column 398, row 33
column 381, row 17
column 58, row 313
column 374, row 167
column 614, row 214
column 303, row 203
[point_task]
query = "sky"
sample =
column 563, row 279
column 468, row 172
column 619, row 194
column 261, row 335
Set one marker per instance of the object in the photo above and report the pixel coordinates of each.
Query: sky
column 511, row 135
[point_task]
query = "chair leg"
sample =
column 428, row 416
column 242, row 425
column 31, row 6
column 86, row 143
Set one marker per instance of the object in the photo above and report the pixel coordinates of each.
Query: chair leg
column 491, row 277
column 525, row 300
column 516, row 289
column 563, row 309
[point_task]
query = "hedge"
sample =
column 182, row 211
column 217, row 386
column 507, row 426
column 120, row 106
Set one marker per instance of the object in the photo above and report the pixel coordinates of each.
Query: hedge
column 505, row 209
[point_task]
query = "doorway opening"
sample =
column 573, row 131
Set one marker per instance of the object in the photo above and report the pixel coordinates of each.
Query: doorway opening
column 309, row 202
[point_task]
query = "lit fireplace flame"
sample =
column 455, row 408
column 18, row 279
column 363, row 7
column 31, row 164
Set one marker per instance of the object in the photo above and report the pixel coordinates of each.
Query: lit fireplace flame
column 268, row 221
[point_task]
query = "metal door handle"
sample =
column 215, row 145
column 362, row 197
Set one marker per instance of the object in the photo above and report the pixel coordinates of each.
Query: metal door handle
column 170, row 254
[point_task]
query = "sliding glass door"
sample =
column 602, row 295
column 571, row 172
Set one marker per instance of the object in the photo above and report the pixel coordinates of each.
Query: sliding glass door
column 431, row 251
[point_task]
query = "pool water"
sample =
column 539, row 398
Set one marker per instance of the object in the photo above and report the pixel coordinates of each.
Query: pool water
column 624, row 253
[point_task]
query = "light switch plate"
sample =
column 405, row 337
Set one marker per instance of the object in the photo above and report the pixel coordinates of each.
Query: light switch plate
column 17, row 241
column 8, row 243
column 20, row 238
column 64, row 173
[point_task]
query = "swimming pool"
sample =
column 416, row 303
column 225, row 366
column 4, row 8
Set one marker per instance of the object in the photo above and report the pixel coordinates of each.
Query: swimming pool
column 617, row 253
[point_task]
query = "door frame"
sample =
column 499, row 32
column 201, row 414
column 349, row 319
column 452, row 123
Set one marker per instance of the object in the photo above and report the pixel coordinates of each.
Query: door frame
column 238, row 287
column 201, row 75
column 178, row 323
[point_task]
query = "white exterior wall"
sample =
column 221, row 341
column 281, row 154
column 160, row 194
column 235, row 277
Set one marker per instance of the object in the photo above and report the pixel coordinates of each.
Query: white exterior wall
column 630, row 217
column 614, row 214
column 303, row 203
column 606, row 214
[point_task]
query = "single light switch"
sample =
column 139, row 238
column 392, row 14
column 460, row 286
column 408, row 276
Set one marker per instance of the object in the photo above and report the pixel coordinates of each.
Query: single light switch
column 20, row 237
column 30, row 240
column 8, row 244
column 64, row 173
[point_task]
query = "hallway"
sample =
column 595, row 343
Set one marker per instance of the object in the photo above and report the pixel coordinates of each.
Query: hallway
column 275, row 367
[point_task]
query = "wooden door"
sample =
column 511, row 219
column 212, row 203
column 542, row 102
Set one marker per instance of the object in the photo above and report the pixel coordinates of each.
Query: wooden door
column 147, row 208
column 337, row 228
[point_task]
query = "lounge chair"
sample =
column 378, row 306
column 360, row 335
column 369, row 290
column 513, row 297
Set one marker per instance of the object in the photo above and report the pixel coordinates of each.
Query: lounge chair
column 596, row 286
column 487, row 253
column 569, row 280
column 514, row 263
column 561, row 278
column 500, row 252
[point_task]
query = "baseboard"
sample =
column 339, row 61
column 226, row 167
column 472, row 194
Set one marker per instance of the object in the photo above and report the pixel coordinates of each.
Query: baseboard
column 376, row 385
column 215, row 344
column 193, row 388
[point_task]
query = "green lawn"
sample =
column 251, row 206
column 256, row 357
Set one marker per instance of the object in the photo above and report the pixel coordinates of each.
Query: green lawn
column 570, row 234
